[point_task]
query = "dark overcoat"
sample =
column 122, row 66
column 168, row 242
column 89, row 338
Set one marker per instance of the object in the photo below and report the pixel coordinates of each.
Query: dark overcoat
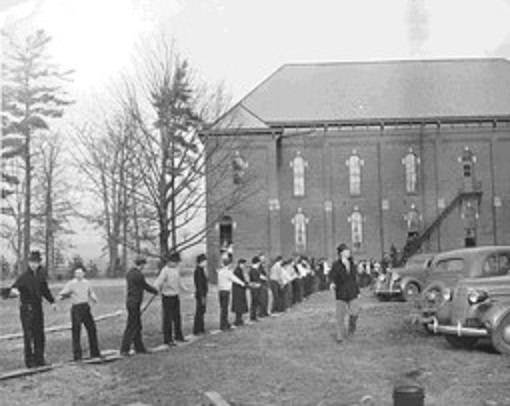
column 239, row 301
column 346, row 281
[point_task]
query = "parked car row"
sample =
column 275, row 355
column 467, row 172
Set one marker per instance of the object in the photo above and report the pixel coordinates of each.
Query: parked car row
column 463, row 294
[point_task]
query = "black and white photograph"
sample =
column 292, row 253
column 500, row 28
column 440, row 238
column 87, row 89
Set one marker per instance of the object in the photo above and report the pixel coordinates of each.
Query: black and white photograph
column 255, row 202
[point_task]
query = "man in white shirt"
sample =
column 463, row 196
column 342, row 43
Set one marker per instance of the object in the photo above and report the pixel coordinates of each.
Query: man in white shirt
column 169, row 284
column 276, row 284
column 79, row 290
column 225, row 279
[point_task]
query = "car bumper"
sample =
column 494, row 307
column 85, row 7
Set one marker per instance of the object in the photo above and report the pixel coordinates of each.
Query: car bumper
column 384, row 291
column 457, row 330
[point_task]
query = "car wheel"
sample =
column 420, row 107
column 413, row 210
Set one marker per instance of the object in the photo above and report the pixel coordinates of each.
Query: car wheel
column 411, row 291
column 501, row 335
column 461, row 342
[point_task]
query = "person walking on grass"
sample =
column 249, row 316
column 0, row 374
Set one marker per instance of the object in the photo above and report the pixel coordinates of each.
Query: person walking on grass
column 32, row 286
column 225, row 280
column 201, row 288
column 80, row 291
column 169, row 284
column 344, row 283
column 136, row 285
column 239, row 302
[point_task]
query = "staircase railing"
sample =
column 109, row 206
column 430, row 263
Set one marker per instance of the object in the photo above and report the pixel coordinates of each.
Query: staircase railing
column 413, row 245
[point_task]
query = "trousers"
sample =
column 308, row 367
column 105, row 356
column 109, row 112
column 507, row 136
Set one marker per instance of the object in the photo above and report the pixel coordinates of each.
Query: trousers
column 32, row 322
column 224, row 296
column 171, row 318
column 80, row 314
column 200, row 309
column 343, row 309
column 133, row 331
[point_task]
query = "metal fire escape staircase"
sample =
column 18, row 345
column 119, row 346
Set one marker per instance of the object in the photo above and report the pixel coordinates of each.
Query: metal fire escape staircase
column 413, row 245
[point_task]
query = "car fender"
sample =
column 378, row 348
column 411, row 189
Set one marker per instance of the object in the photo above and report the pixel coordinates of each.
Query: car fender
column 409, row 279
column 495, row 313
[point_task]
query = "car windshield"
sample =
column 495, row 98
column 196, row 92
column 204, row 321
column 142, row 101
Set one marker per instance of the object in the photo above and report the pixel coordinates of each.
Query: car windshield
column 450, row 265
column 417, row 261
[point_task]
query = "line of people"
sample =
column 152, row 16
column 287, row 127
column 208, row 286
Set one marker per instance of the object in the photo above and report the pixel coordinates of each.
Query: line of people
column 289, row 280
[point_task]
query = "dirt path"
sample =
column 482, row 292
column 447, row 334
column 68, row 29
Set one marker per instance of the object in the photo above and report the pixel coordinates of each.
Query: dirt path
column 286, row 360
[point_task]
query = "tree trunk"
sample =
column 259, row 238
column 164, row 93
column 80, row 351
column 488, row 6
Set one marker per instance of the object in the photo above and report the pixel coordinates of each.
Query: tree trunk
column 28, row 195
column 136, row 226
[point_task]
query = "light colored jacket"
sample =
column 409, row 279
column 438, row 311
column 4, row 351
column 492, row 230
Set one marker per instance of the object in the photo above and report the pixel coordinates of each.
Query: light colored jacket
column 169, row 281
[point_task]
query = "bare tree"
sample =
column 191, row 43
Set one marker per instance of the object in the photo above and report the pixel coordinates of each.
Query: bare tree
column 54, row 207
column 170, row 110
column 32, row 95
column 104, row 155
column 147, row 161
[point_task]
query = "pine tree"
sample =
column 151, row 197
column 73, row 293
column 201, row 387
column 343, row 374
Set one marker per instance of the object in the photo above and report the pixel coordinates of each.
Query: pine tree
column 32, row 95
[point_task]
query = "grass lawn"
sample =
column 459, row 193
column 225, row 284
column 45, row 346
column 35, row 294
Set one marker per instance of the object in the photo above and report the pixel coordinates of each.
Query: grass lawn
column 290, row 360
column 111, row 295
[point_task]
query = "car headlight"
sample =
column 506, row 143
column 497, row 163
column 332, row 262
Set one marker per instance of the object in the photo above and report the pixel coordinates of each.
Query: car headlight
column 477, row 296
column 395, row 277
column 432, row 295
column 447, row 294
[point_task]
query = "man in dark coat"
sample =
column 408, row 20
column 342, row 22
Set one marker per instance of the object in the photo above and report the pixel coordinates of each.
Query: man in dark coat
column 32, row 287
column 239, row 302
column 343, row 277
column 255, row 283
column 201, row 287
column 136, row 284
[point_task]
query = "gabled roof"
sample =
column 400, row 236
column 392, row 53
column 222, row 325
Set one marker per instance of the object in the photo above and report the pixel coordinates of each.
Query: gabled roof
column 378, row 91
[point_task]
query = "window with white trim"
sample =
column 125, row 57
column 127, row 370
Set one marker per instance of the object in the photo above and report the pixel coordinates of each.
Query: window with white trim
column 354, row 163
column 411, row 162
column 356, row 220
column 298, row 165
column 300, row 222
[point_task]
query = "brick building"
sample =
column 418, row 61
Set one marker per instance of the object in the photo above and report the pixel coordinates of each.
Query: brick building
column 414, row 154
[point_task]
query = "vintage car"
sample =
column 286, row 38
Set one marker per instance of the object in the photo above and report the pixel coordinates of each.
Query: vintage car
column 406, row 282
column 468, row 297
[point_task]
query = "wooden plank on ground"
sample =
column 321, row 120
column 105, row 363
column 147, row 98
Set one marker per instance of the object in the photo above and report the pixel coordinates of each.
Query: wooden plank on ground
column 18, row 373
column 216, row 399
column 64, row 327
column 107, row 356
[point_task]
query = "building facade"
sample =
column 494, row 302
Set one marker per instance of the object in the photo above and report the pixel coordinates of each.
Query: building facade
column 410, row 154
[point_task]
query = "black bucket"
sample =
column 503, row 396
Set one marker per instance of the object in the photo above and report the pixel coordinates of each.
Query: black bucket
column 408, row 395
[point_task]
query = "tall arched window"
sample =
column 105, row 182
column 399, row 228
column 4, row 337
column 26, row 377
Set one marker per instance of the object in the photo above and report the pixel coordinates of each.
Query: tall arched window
column 356, row 220
column 354, row 163
column 468, row 160
column 298, row 165
column 239, row 166
column 470, row 217
column 300, row 221
column 413, row 219
column 410, row 162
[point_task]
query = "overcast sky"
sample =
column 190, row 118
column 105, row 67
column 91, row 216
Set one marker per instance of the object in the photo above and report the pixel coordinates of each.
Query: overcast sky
column 242, row 42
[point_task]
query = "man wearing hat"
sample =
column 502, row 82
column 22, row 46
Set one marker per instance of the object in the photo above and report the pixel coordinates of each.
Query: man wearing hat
column 32, row 287
column 169, row 283
column 201, row 288
column 343, row 277
column 136, row 284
